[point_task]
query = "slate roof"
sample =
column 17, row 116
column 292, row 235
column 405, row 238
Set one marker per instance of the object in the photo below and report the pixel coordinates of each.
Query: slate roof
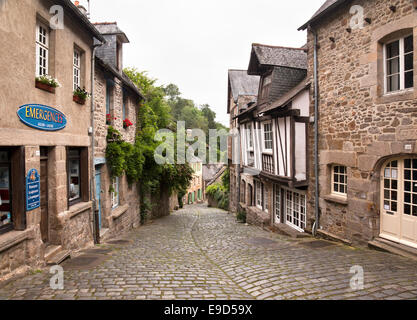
column 324, row 9
column 281, row 56
column 111, row 28
column 122, row 77
column 243, row 84
column 265, row 55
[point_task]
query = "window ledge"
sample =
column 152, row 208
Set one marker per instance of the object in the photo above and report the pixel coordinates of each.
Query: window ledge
column 12, row 238
column 119, row 211
column 336, row 199
column 403, row 95
column 79, row 208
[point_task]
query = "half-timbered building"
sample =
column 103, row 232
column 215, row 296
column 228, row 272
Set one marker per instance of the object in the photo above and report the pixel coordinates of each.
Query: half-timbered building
column 273, row 130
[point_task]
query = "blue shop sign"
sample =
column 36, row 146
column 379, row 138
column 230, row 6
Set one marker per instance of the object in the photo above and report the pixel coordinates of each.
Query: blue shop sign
column 33, row 190
column 42, row 117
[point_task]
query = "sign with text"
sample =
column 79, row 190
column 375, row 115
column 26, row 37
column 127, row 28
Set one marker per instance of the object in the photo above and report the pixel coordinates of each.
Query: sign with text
column 42, row 117
column 33, row 190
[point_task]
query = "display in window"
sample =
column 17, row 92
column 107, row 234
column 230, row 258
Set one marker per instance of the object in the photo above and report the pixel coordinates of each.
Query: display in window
column 74, row 179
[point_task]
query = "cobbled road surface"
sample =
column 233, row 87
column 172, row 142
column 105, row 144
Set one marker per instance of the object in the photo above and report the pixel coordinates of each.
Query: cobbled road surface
column 203, row 253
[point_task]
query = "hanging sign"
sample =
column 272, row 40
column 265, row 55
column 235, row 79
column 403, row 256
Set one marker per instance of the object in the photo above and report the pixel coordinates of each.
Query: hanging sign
column 42, row 117
column 33, row 190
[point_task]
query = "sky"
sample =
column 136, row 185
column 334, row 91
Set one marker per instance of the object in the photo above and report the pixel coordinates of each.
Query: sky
column 193, row 43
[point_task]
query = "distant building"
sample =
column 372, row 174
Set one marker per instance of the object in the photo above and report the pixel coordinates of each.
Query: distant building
column 195, row 193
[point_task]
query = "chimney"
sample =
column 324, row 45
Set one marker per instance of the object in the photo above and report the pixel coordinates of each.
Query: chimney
column 81, row 8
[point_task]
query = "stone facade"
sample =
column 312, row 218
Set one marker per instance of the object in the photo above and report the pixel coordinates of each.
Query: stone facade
column 58, row 223
column 113, row 92
column 360, row 127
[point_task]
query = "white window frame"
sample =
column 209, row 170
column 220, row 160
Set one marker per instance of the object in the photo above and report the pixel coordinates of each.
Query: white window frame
column 259, row 195
column 301, row 204
column 264, row 148
column 402, row 65
column 42, row 44
column 249, row 136
column 76, row 69
column 337, row 193
column 115, row 195
column 266, row 199
column 277, row 203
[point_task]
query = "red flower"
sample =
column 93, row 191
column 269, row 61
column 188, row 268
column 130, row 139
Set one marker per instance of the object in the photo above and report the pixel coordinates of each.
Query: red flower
column 127, row 123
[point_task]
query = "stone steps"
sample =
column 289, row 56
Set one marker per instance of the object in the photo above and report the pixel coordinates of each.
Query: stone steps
column 288, row 231
column 394, row 248
column 54, row 255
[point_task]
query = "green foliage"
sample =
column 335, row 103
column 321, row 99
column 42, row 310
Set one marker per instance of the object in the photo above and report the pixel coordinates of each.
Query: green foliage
column 219, row 194
column 226, row 179
column 123, row 157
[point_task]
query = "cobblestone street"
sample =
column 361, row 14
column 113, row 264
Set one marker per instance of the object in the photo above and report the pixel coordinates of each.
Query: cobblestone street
column 203, row 253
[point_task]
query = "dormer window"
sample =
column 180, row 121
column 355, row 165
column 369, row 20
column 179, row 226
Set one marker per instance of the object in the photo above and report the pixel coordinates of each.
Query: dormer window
column 399, row 69
column 266, row 85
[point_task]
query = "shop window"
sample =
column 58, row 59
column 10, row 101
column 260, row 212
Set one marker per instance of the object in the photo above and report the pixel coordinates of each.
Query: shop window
column 12, row 190
column 115, row 194
column 77, row 159
column 5, row 192
column 399, row 64
column 339, row 180
column 277, row 204
column 42, row 49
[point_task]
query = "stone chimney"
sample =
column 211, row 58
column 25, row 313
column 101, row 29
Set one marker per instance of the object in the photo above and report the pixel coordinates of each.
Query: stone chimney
column 81, row 8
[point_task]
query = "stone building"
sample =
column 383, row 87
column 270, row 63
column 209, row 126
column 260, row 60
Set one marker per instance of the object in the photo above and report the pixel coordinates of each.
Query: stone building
column 273, row 139
column 117, row 102
column 242, row 90
column 367, row 119
column 45, row 169
column 195, row 193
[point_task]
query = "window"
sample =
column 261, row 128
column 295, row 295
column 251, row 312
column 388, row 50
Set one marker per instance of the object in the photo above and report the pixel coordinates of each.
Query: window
column 277, row 204
column 266, row 85
column 243, row 192
column 399, row 69
column 339, row 180
column 74, row 174
column 109, row 88
column 125, row 101
column 249, row 137
column 259, row 194
column 295, row 209
column 77, row 159
column 5, row 192
column 77, row 69
column 268, row 136
column 266, row 200
column 115, row 198
column 42, row 50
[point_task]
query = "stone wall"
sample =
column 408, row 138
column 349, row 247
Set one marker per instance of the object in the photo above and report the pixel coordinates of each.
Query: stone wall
column 127, row 215
column 359, row 126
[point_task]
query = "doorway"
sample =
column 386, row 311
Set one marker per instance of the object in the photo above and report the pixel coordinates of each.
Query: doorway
column 98, row 195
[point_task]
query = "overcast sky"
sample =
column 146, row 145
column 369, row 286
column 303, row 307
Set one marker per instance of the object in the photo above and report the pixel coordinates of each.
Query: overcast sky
column 192, row 43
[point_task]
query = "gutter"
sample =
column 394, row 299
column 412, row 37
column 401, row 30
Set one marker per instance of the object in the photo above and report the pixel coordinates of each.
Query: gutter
column 316, row 224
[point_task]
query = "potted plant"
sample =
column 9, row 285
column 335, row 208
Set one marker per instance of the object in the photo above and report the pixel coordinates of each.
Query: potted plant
column 109, row 119
column 47, row 83
column 127, row 123
column 80, row 95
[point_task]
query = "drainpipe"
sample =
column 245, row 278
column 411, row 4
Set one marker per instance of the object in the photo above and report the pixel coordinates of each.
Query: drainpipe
column 316, row 225
column 96, row 229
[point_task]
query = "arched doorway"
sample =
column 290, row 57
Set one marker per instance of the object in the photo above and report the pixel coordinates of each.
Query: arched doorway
column 399, row 200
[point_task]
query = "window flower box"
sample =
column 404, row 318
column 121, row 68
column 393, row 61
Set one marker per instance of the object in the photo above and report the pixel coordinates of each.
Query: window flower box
column 80, row 96
column 127, row 123
column 109, row 119
column 46, row 83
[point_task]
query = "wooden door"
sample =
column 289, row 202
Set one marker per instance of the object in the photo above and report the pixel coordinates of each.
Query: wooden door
column 44, row 196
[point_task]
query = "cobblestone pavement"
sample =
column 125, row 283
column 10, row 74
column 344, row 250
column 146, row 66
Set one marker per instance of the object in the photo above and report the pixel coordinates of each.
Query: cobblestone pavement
column 203, row 253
